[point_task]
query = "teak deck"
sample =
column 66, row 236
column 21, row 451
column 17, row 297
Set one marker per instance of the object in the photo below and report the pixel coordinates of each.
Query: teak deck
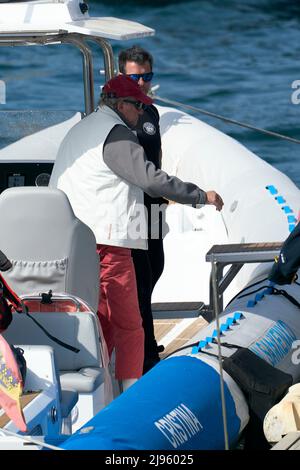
column 164, row 327
column 26, row 398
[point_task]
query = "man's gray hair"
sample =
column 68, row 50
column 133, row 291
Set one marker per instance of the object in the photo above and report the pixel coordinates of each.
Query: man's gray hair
column 107, row 100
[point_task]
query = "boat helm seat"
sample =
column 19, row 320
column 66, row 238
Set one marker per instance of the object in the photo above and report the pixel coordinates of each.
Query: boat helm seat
column 82, row 371
column 48, row 246
column 50, row 249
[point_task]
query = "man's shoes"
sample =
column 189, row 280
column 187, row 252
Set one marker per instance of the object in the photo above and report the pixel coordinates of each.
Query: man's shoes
column 160, row 348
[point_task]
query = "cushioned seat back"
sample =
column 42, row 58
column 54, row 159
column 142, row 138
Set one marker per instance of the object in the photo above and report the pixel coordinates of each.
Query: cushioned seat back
column 76, row 329
column 48, row 246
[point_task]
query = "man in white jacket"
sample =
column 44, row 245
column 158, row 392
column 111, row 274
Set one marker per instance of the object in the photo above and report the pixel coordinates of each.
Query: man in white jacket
column 104, row 172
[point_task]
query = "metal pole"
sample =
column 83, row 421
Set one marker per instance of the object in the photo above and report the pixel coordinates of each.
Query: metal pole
column 214, row 280
column 109, row 65
column 62, row 37
column 88, row 75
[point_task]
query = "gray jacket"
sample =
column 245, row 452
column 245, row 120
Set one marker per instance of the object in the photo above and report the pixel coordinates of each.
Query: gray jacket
column 123, row 154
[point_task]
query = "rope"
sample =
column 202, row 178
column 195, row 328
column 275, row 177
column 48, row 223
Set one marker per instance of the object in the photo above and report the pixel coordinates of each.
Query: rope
column 29, row 439
column 225, row 119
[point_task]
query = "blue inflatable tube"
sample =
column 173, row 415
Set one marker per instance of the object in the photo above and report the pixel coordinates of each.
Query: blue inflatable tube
column 175, row 406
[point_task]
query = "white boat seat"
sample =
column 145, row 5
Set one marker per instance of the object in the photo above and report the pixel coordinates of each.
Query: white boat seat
column 41, row 378
column 48, row 246
column 80, row 371
column 85, row 380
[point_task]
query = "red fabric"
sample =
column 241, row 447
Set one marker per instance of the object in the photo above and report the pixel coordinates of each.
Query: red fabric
column 118, row 311
column 57, row 305
column 10, row 295
column 124, row 87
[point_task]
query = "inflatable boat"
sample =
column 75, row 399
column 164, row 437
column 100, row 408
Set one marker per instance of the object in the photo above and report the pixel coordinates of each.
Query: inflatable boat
column 178, row 404
column 205, row 394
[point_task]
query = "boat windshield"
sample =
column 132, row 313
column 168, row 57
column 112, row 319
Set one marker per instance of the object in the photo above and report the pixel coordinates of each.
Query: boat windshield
column 15, row 125
column 41, row 97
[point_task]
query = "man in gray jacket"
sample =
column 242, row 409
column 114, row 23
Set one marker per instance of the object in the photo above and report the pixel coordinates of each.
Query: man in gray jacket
column 104, row 172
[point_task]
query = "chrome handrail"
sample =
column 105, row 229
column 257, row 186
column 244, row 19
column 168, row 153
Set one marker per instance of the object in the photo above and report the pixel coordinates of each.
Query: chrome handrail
column 78, row 40
column 109, row 66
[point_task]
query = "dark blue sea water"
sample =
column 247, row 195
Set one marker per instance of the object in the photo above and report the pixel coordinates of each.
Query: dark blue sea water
column 237, row 58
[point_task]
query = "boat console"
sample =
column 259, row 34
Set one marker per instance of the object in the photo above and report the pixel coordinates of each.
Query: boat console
column 24, row 174
column 29, row 141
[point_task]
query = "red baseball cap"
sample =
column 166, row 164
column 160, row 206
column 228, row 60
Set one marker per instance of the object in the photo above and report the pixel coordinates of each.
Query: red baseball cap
column 123, row 86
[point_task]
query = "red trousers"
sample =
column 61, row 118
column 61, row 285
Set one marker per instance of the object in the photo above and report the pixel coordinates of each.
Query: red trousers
column 119, row 312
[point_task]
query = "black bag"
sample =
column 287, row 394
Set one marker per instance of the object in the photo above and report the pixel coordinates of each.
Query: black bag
column 263, row 387
column 285, row 268
column 262, row 384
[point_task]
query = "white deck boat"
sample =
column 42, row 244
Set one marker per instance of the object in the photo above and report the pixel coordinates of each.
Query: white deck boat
column 65, row 390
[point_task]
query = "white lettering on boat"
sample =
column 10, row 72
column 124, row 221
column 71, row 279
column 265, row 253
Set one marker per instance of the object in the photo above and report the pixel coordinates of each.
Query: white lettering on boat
column 179, row 425
column 275, row 344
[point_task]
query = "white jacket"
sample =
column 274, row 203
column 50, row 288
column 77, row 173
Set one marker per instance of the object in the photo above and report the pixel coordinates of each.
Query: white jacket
column 110, row 206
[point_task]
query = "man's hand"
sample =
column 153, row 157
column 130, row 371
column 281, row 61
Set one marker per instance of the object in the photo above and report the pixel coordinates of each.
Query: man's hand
column 214, row 199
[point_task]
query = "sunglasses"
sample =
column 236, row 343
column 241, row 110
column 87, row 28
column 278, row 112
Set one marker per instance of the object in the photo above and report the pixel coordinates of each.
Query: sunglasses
column 137, row 104
column 147, row 77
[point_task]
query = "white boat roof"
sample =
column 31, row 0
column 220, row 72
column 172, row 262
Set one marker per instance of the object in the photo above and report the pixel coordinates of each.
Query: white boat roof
column 106, row 27
column 64, row 16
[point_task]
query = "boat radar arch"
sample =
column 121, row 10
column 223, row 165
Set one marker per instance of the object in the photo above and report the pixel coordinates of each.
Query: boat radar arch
column 67, row 21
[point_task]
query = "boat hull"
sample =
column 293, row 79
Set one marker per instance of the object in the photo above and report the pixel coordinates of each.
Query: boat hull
column 175, row 406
